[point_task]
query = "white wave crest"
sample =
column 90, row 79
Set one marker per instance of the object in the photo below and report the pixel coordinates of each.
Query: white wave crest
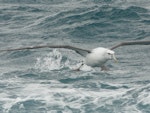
column 52, row 61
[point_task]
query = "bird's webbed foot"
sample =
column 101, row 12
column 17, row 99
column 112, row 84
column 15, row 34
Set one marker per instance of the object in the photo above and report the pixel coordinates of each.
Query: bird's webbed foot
column 78, row 69
column 104, row 68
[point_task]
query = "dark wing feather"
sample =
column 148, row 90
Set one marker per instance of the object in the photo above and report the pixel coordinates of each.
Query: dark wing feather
column 80, row 51
column 131, row 43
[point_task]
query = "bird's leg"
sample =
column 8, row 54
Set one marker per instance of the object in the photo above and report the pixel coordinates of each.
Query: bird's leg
column 104, row 68
column 78, row 69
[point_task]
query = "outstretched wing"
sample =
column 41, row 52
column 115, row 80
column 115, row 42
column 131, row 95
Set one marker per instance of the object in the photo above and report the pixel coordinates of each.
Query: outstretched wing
column 131, row 43
column 80, row 51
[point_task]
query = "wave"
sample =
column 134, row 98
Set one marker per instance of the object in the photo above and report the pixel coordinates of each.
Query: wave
column 91, row 21
column 84, row 100
column 34, row 1
column 37, row 81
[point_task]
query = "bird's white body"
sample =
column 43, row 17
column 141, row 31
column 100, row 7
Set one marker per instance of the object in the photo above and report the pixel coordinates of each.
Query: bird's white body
column 98, row 57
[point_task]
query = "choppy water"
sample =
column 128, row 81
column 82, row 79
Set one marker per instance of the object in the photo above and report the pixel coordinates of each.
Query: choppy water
column 42, row 81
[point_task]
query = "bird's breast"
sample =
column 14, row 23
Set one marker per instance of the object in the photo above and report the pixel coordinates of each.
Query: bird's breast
column 94, row 60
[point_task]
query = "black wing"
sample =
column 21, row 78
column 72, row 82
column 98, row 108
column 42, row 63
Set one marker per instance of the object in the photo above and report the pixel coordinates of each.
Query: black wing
column 131, row 43
column 80, row 51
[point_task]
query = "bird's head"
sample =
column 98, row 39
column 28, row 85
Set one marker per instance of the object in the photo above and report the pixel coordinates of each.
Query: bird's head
column 104, row 54
column 111, row 55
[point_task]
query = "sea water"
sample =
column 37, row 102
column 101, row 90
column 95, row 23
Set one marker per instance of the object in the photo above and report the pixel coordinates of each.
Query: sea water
column 44, row 80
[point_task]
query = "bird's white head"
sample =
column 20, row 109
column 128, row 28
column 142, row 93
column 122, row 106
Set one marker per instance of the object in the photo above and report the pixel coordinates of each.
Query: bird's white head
column 104, row 54
column 110, row 55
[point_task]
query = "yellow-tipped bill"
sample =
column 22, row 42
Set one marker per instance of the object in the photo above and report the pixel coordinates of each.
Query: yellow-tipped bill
column 115, row 59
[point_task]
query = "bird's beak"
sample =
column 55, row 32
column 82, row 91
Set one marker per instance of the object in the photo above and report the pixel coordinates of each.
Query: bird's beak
column 115, row 59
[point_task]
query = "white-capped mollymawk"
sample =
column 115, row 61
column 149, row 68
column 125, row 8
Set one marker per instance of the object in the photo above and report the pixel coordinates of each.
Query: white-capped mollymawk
column 94, row 58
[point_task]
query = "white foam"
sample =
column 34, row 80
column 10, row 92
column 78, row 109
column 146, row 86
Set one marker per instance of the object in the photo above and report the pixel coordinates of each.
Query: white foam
column 83, row 68
column 52, row 61
column 144, row 96
column 61, row 95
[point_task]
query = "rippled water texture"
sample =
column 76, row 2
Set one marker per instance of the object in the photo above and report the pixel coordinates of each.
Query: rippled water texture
column 43, row 80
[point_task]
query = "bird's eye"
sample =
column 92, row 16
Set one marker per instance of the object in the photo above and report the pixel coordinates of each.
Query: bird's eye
column 109, row 54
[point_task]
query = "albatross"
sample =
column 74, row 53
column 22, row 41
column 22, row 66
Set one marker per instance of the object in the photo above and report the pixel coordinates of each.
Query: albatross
column 95, row 58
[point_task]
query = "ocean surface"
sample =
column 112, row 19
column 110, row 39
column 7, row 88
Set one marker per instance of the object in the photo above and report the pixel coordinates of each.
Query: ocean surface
column 44, row 80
